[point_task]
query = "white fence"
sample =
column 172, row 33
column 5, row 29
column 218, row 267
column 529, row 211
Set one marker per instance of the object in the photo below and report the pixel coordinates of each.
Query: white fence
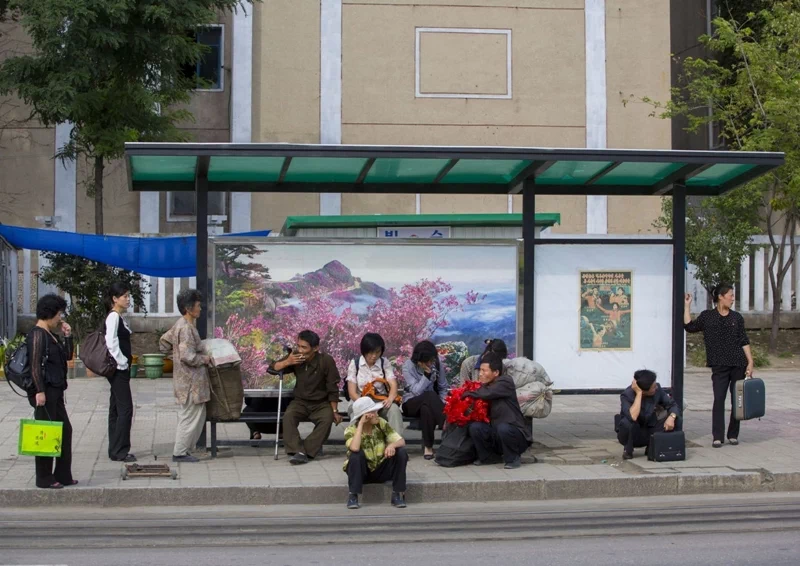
column 753, row 289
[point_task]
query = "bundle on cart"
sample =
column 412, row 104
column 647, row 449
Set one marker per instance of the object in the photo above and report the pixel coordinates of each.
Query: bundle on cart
column 225, row 377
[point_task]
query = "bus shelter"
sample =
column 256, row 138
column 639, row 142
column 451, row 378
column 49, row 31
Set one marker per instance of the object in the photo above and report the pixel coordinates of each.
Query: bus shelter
column 203, row 168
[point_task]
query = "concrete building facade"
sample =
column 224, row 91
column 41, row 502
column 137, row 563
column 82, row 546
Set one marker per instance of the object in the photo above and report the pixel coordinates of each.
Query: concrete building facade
column 547, row 73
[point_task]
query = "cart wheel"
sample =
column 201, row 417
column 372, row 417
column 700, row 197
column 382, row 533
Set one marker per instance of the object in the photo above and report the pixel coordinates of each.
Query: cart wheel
column 174, row 474
column 124, row 474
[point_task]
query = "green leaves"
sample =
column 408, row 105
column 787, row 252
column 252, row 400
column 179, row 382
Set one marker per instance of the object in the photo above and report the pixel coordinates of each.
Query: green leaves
column 107, row 66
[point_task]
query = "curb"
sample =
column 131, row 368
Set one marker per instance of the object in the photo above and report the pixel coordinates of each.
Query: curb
column 478, row 491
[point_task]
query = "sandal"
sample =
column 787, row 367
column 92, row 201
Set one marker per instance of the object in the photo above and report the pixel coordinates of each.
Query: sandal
column 717, row 444
column 429, row 456
column 54, row 485
column 733, row 441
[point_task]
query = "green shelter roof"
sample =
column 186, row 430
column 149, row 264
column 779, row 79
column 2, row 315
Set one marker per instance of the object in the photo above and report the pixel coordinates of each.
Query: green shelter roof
column 438, row 169
column 294, row 223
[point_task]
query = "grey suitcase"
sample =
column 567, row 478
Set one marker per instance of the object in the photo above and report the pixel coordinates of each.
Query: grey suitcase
column 751, row 399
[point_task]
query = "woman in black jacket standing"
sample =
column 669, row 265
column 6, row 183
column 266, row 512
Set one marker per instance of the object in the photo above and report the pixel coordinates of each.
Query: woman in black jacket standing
column 48, row 358
column 120, row 405
column 727, row 354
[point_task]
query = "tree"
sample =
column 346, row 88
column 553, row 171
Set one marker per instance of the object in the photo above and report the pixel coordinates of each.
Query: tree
column 86, row 282
column 755, row 100
column 112, row 68
column 718, row 232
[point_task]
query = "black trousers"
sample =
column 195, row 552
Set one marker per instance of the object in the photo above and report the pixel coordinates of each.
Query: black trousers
column 429, row 408
column 724, row 378
column 635, row 435
column 120, row 415
column 501, row 440
column 262, row 405
column 54, row 410
column 393, row 469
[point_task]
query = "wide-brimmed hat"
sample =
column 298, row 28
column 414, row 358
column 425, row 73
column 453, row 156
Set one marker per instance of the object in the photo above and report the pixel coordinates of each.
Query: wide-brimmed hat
column 364, row 405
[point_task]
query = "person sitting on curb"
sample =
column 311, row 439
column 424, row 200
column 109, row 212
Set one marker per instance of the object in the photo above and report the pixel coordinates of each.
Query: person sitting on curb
column 316, row 397
column 645, row 409
column 508, row 435
column 375, row 453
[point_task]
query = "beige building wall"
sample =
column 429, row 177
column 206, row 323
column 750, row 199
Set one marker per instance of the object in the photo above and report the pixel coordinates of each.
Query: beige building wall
column 381, row 105
column 27, row 167
column 641, row 69
column 286, row 75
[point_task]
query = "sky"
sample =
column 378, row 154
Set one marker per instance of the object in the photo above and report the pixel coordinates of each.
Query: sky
column 392, row 265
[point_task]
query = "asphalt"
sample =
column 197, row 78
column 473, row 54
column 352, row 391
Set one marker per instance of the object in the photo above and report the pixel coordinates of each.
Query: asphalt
column 699, row 530
column 577, row 456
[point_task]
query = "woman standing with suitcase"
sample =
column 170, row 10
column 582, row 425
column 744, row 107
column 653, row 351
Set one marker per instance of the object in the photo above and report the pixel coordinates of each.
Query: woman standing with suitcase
column 727, row 354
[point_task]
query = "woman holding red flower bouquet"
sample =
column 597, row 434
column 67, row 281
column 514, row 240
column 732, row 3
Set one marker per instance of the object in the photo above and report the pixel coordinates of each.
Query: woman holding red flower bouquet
column 507, row 435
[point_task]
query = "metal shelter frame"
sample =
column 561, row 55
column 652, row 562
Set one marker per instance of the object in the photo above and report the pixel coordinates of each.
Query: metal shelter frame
column 202, row 167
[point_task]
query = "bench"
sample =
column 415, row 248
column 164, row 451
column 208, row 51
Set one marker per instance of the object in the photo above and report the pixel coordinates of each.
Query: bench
column 272, row 417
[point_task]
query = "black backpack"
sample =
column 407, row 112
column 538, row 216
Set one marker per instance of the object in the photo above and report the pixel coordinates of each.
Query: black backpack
column 18, row 367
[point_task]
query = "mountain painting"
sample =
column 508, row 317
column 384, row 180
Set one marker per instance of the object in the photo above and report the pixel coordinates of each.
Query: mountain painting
column 266, row 292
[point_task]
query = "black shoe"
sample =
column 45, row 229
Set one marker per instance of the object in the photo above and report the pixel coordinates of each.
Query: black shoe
column 627, row 455
column 128, row 458
column 398, row 500
column 513, row 464
column 188, row 458
column 352, row 501
column 298, row 458
column 489, row 462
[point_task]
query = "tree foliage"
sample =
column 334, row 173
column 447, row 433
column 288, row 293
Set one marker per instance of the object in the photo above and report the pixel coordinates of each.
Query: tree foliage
column 112, row 68
column 751, row 83
column 718, row 232
column 86, row 282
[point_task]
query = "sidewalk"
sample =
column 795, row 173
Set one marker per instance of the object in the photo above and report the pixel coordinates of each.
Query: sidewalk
column 577, row 453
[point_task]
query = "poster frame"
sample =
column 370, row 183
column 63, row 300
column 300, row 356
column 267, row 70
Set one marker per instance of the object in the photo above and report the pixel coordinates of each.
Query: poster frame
column 295, row 241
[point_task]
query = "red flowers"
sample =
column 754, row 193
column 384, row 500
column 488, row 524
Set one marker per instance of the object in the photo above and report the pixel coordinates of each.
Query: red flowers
column 460, row 411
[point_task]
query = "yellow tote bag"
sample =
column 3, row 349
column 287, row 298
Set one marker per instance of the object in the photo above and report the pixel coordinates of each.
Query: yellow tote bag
column 40, row 438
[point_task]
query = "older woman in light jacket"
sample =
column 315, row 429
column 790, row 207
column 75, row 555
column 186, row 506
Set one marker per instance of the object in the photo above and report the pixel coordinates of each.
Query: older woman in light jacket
column 425, row 392
column 189, row 375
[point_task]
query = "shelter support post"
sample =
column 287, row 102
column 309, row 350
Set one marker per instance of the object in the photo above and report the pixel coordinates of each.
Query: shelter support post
column 201, row 194
column 529, row 247
column 678, row 287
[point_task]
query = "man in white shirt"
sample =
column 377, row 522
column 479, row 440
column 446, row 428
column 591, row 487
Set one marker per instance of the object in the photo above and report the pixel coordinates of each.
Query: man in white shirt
column 372, row 368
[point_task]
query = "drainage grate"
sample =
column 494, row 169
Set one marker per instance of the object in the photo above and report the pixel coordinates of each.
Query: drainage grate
column 148, row 471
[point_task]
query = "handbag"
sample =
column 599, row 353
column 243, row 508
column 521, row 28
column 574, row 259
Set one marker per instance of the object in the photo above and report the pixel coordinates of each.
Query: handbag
column 95, row 355
column 40, row 438
column 369, row 391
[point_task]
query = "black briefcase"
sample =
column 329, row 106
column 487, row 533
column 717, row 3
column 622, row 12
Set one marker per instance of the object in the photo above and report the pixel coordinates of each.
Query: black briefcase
column 667, row 447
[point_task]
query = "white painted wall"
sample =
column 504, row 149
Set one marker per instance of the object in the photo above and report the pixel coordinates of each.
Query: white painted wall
column 330, row 90
column 241, row 106
column 596, row 104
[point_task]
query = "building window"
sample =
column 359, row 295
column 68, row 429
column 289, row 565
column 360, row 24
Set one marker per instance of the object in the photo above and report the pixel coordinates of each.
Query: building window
column 208, row 70
column 182, row 206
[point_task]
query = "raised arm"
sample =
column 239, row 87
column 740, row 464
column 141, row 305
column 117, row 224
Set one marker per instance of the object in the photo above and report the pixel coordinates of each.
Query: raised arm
column 696, row 325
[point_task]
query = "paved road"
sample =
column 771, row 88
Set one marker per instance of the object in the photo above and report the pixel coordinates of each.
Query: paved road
column 731, row 529
column 749, row 549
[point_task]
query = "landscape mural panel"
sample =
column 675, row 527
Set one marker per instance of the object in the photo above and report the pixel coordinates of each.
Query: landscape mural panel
column 455, row 295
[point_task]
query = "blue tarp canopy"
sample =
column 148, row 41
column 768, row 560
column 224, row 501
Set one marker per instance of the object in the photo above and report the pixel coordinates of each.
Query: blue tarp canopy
column 172, row 256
